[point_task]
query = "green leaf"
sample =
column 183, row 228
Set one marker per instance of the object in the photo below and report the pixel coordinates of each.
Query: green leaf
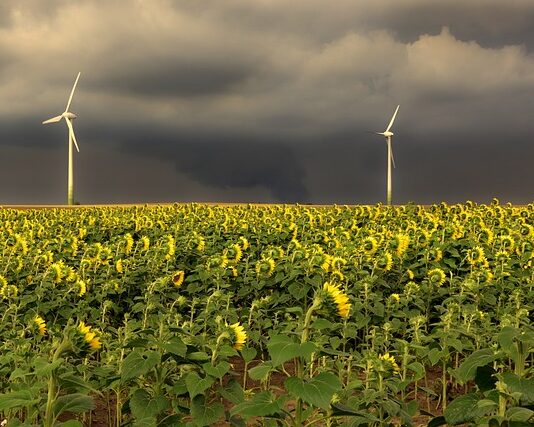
column 43, row 368
column 198, row 356
column 468, row 369
column 73, row 382
column 248, row 354
column 19, row 373
column 138, row 363
column 318, row 391
column 262, row 404
column 321, row 323
column 524, row 386
column 418, row 369
column 467, row 408
column 175, row 346
column 434, row 356
column 261, row 371
column 506, row 336
column 16, row 399
column 217, row 371
column 143, row 405
column 282, row 348
column 196, row 385
column 205, row 414
column 520, row 414
column 75, row 402
column 233, row 392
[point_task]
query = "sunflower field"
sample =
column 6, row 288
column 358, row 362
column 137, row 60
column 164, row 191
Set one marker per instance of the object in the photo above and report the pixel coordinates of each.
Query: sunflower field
column 279, row 315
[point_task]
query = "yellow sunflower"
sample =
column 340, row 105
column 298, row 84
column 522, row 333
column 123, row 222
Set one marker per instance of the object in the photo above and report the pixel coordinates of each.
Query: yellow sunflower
column 339, row 298
column 39, row 321
column 178, row 278
column 90, row 337
column 436, row 276
column 240, row 335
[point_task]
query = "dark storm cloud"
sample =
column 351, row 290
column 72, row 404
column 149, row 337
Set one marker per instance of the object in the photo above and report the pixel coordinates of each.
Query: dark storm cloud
column 269, row 100
column 491, row 23
column 230, row 162
column 181, row 78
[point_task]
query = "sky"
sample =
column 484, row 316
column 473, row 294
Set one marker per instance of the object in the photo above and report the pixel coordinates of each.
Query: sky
column 268, row 101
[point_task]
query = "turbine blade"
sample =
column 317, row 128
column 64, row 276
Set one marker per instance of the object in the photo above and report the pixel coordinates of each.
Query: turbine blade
column 71, row 133
column 72, row 92
column 53, row 120
column 393, row 158
column 392, row 119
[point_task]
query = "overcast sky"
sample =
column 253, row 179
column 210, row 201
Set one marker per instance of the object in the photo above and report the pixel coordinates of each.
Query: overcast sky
column 268, row 100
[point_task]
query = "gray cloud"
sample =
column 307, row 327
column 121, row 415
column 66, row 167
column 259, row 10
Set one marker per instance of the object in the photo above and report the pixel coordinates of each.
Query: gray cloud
column 271, row 101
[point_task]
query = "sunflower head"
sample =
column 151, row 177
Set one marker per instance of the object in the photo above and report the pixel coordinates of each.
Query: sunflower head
column 389, row 363
column 336, row 297
column 178, row 278
column 90, row 339
column 385, row 261
column 82, row 288
column 436, row 276
column 507, row 243
column 238, row 335
column 475, row 255
column 369, row 245
column 265, row 267
column 41, row 324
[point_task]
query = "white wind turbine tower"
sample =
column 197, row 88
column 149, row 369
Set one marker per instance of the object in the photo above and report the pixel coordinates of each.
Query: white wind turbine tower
column 388, row 134
column 69, row 117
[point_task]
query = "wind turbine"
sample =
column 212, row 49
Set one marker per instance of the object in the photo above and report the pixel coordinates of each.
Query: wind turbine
column 69, row 117
column 388, row 134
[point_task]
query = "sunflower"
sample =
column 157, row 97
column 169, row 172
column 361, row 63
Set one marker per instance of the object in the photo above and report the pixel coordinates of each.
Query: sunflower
column 370, row 245
column 244, row 243
column 435, row 255
column 178, row 278
column 436, row 276
column 390, row 360
column 83, row 288
column 401, row 243
column 476, row 255
column 146, row 243
column 238, row 253
column 485, row 276
column 338, row 297
column 507, row 243
column 89, row 337
column 39, row 321
column 265, row 267
column 395, row 297
column 239, row 335
column 118, row 266
column 385, row 262
column 128, row 243
column 502, row 256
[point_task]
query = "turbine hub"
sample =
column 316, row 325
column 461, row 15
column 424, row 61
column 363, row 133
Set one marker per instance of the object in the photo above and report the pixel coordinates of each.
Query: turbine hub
column 70, row 115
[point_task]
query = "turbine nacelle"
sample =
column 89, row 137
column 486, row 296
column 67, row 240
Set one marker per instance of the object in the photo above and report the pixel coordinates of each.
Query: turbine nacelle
column 69, row 115
column 386, row 134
